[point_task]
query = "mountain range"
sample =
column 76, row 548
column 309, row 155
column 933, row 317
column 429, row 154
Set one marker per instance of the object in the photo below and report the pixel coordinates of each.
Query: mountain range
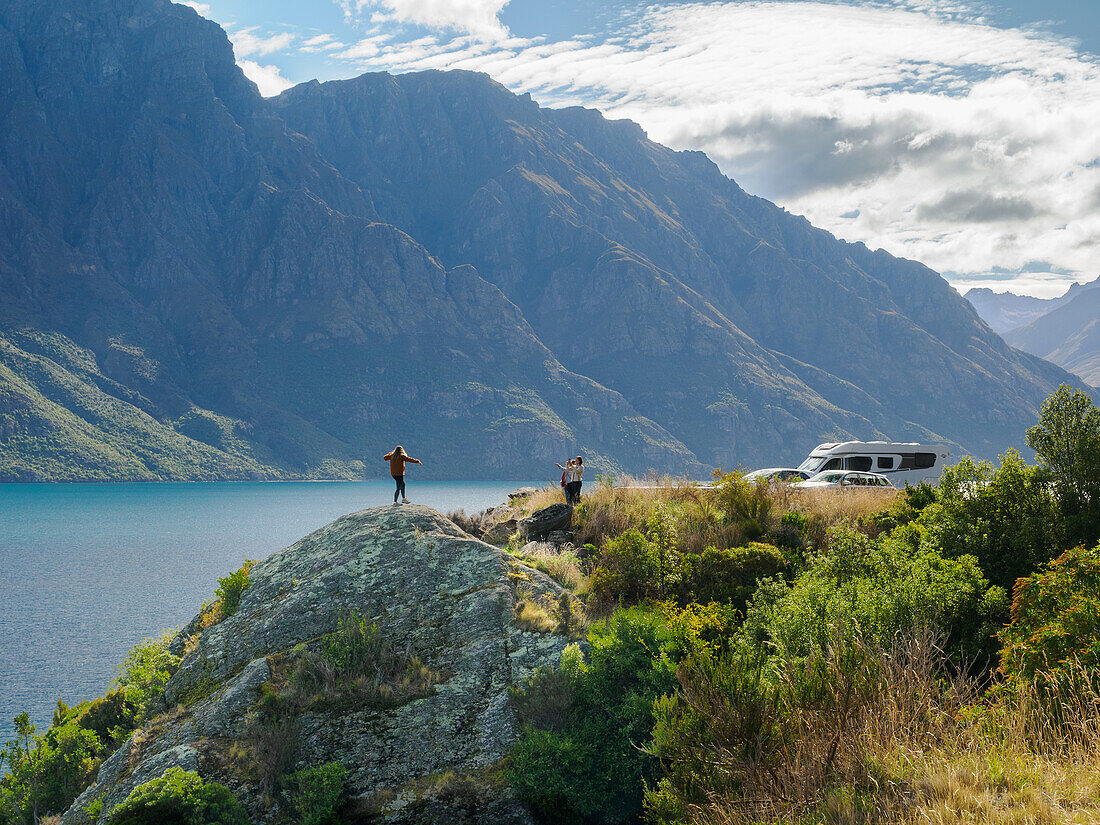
column 1064, row 330
column 199, row 283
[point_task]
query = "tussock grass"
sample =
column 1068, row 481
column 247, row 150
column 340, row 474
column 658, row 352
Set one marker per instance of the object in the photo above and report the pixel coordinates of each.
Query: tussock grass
column 562, row 565
column 531, row 614
column 707, row 516
column 856, row 507
column 903, row 738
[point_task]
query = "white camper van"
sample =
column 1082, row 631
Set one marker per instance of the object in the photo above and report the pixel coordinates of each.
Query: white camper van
column 901, row 463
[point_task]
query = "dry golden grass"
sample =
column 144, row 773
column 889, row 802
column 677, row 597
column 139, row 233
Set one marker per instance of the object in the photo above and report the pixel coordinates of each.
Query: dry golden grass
column 924, row 748
column 562, row 566
column 852, row 506
column 608, row 511
column 530, row 614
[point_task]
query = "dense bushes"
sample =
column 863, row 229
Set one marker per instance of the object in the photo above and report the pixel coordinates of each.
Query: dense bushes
column 818, row 637
column 581, row 763
column 47, row 772
column 878, row 587
column 179, row 797
column 728, row 576
column 316, row 793
column 1055, row 625
column 1006, row 517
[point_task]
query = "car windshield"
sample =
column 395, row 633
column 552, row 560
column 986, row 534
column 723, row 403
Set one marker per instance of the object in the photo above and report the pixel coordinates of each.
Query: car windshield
column 811, row 464
column 829, row 478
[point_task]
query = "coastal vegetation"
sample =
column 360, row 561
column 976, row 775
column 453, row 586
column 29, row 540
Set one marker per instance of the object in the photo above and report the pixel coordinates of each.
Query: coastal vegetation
column 763, row 654
column 733, row 653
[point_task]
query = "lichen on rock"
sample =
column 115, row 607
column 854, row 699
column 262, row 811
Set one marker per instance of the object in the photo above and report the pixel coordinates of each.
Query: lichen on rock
column 440, row 598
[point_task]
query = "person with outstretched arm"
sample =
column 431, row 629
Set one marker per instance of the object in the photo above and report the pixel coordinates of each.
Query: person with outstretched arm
column 398, row 459
column 566, row 477
column 574, row 474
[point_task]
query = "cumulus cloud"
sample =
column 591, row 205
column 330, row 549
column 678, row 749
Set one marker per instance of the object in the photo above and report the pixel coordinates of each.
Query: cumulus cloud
column 247, row 43
column 268, row 79
column 916, row 126
column 201, row 8
column 480, row 18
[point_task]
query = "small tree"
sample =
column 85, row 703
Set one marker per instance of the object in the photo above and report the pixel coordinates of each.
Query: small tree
column 1067, row 442
column 1055, row 617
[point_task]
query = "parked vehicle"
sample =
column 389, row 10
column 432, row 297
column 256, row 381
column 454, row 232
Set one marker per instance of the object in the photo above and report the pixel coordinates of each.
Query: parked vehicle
column 772, row 474
column 901, row 463
column 840, row 478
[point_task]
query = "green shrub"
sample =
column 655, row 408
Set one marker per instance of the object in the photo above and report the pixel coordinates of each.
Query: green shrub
column 627, row 570
column 746, row 504
column 588, row 769
column 1006, row 517
column 230, row 588
column 1055, row 625
column 728, row 576
column 47, row 772
column 746, row 727
column 881, row 587
column 112, row 717
column 179, row 797
column 316, row 793
column 145, row 671
column 356, row 664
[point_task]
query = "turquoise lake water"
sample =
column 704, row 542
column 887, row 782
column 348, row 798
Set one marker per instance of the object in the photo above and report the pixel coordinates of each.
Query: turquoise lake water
column 88, row 570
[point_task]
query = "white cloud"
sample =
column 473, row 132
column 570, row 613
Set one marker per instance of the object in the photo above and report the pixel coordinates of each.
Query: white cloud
column 201, row 8
column 480, row 18
column 268, row 79
column 321, row 43
column 970, row 147
column 246, row 43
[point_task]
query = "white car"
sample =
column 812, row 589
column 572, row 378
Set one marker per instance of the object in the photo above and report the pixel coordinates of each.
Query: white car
column 776, row 474
column 835, row 478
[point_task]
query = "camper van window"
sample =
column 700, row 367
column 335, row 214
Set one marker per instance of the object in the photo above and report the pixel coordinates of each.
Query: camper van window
column 833, row 464
column 924, row 461
column 862, row 463
column 886, row 462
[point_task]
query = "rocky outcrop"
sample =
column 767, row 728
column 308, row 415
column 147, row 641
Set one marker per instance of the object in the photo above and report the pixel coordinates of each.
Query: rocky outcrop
column 436, row 594
column 541, row 523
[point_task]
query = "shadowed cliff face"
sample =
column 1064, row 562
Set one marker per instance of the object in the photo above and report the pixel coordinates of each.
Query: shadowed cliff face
column 199, row 283
column 433, row 592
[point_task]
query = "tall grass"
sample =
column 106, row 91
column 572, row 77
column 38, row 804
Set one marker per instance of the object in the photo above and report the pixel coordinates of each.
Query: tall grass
column 869, row 735
column 729, row 514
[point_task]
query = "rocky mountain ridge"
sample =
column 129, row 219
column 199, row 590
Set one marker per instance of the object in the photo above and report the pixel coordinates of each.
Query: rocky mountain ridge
column 200, row 283
column 1063, row 330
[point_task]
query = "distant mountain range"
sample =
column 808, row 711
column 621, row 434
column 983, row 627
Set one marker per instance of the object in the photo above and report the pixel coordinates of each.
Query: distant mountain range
column 196, row 282
column 1063, row 330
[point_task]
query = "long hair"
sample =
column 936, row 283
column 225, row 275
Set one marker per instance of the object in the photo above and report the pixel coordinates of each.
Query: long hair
column 399, row 450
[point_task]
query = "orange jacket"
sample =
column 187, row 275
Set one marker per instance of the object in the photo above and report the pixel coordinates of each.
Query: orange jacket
column 398, row 461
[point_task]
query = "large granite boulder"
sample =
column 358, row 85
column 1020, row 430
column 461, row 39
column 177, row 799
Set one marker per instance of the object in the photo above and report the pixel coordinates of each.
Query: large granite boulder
column 542, row 523
column 435, row 593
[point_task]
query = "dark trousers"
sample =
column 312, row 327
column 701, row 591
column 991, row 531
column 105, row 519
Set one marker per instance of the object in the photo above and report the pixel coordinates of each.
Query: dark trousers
column 573, row 492
column 400, row 491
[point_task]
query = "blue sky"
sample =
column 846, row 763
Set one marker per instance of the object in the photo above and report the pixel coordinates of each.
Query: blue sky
column 963, row 134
